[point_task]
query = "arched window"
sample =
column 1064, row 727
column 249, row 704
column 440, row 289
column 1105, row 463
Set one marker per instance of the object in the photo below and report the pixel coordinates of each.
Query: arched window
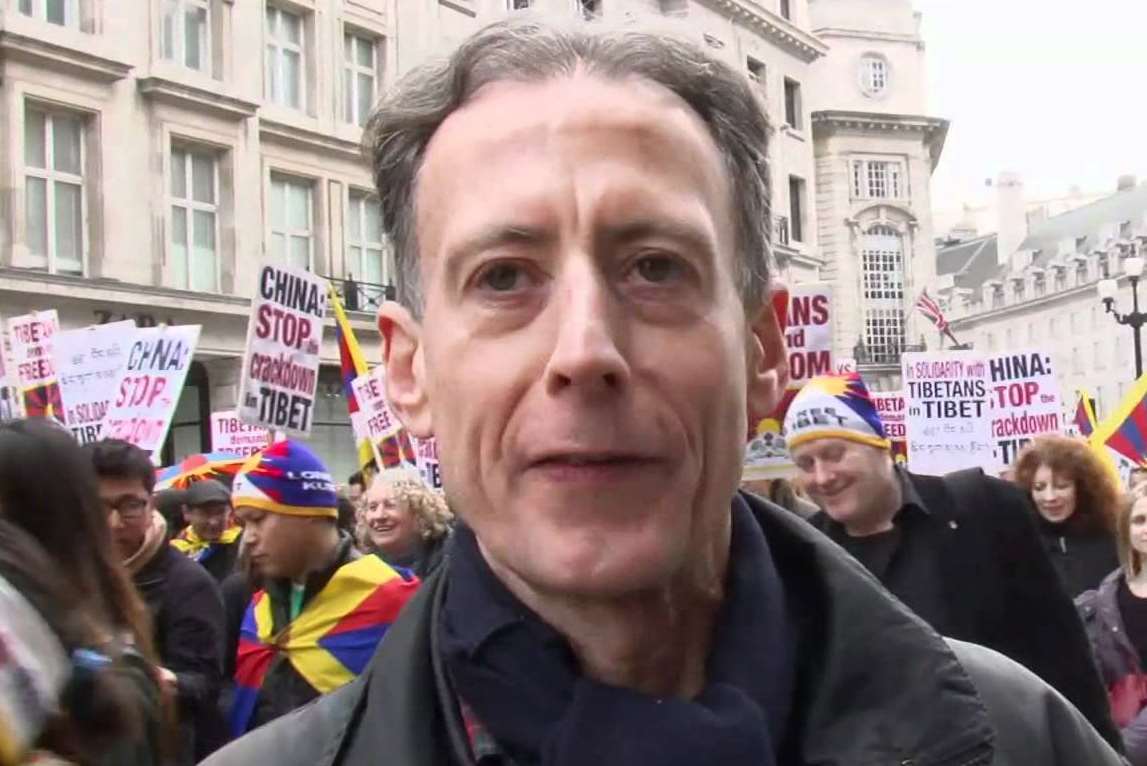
column 873, row 74
column 882, row 277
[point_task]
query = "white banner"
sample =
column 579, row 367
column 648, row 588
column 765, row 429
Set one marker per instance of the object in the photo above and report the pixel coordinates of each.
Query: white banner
column 89, row 362
column 31, row 337
column 948, row 424
column 231, row 435
column 374, row 419
column 1025, row 399
column 284, row 344
column 148, row 392
column 427, row 452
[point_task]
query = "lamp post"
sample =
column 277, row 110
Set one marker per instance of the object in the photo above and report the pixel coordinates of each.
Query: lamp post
column 1133, row 268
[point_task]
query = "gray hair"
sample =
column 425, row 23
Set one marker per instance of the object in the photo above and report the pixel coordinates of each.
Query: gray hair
column 531, row 50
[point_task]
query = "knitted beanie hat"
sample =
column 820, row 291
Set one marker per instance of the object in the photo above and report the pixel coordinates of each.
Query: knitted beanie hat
column 835, row 407
column 286, row 478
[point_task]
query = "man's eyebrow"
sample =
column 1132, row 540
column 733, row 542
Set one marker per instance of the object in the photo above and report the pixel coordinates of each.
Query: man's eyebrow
column 648, row 228
column 492, row 237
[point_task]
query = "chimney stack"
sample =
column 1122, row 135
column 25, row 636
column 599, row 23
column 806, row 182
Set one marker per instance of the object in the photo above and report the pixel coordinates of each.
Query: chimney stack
column 1013, row 224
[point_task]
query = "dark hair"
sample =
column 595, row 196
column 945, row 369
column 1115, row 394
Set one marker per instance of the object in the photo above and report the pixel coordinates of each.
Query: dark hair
column 1096, row 494
column 117, row 459
column 529, row 50
column 356, row 478
column 48, row 488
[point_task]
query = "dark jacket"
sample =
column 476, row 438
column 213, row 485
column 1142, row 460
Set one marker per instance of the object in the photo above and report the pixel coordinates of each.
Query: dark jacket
column 221, row 563
column 1082, row 559
column 1119, row 664
column 875, row 685
column 426, row 560
column 970, row 563
column 187, row 617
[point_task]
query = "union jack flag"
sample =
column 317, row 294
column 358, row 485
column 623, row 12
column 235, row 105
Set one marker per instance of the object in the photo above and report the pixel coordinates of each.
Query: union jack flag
column 931, row 309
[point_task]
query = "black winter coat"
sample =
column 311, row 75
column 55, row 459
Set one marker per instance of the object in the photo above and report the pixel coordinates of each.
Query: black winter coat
column 187, row 618
column 1082, row 559
column 875, row 685
column 972, row 566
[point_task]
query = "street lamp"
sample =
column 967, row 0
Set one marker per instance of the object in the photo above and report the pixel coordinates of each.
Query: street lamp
column 1133, row 268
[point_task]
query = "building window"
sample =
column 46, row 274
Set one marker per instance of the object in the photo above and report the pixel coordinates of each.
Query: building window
column 884, row 334
column 757, row 71
column 54, row 190
column 674, row 7
column 286, row 59
column 194, row 219
column 365, row 251
column 1060, row 280
column 360, row 75
column 589, row 9
column 186, row 30
column 877, row 179
column 1018, row 290
column 65, row 13
column 796, row 207
column 1039, row 286
column 1081, row 273
column 292, row 219
column 786, row 9
column 518, row 5
column 882, row 276
column 873, row 74
column 793, row 104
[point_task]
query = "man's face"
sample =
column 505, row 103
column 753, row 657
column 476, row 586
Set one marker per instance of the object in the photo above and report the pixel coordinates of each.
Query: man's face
column 208, row 520
column 127, row 504
column 851, row 482
column 585, row 360
column 277, row 545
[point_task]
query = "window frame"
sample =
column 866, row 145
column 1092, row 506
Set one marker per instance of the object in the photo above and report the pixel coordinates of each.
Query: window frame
column 867, row 75
column 189, row 149
column 352, row 239
column 73, row 16
column 794, row 106
column 864, row 180
column 50, row 176
column 311, row 185
column 798, row 204
column 179, row 35
column 274, row 39
column 882, row 274
column 352, row 70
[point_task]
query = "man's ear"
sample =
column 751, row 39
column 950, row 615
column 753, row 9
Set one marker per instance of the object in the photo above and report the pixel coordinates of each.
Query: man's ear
column 768, row 363
column 405, row 368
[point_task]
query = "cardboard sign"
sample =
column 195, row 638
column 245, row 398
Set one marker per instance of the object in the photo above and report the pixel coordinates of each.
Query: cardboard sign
column 89, row 362
column 231, row 435
column 808, row 337
column 34, row 368
column 374, row 419
column 427, row 452
column 1025, row 399
column 948, row 424
column 149, row 389
column 284, row 342
column 892, row 411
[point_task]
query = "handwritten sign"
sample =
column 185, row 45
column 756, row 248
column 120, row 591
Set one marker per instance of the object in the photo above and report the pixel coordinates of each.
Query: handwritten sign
column 284, row 341
column 374, row 419
column 947, row 424
column 426, row 451
column 231, row 435
column 153, row 377
column 89, row 362
column 892, row 411
column 32, row 336
column 808, row 338
column 1025, row 399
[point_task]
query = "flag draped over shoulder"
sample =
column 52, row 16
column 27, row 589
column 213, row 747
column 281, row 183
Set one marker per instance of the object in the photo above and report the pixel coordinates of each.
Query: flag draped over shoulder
column 1125, row 432
column 352, row 364
column 1084, row 417
column 331, row 641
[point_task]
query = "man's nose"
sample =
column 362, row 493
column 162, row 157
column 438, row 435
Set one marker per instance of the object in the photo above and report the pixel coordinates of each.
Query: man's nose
column 822, row 475
column 588, row 351
column 114, row 521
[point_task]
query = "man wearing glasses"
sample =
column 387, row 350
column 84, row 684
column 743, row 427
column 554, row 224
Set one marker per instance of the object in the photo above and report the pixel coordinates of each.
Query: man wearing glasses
column 183, row 600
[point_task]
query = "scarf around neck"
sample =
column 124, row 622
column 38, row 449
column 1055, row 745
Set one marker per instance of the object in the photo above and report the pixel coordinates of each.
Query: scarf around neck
column 190, row 544
column 153, row 540
column 520, row 679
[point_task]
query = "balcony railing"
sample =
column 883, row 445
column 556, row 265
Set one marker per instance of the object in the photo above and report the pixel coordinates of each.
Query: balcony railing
column 362, row 296
column 883, row 355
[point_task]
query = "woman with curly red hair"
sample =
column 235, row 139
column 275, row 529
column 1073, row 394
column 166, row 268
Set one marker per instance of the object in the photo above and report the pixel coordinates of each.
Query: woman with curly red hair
column 1077, row 500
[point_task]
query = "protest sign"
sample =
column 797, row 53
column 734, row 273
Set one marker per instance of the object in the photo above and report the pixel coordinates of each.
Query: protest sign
column 32, row 336
column 1025, row 400
column 947, row 423
column 284, row 342
column 88, row 364
column 231, row 435
column 149, row 389
column 427, row 452
column 808, row 338
column 9, row 408
column 374, row 419
column 891, row 409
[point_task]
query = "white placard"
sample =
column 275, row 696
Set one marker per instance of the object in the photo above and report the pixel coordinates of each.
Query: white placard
column 89, row 363
column 1025, row 399
column 284, row 344
column 374, row 419
column 426, row 452
column 948, row 423
column 892, row 411
column 231, row 435
column 148, row 391
column 33, row 366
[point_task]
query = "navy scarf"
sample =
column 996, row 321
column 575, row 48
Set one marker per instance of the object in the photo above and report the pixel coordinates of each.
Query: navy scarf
column 521, row 681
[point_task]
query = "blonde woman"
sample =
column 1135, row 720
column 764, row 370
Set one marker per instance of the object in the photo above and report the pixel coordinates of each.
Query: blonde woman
column 405, row 522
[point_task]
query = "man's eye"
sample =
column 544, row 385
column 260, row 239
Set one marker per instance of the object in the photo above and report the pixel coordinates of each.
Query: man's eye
column 658, row 269
column 502, row 277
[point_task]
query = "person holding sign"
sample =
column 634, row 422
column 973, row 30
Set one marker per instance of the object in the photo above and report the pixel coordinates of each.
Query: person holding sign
column 405, row 522
column 579, row 220
column 211, row 538
column 960, row 551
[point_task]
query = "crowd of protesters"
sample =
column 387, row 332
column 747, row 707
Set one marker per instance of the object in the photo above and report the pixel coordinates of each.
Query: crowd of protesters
column 609, row 595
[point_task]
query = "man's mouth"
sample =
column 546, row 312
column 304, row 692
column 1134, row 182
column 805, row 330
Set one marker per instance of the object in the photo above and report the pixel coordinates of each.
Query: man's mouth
column 593, row 466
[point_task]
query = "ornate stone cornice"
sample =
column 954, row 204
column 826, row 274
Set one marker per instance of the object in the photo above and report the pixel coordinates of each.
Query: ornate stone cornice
column 932, row 130
column 867, row 34
column 61, row 58
column 775, row 28
column 199, row 99
column 323, row 143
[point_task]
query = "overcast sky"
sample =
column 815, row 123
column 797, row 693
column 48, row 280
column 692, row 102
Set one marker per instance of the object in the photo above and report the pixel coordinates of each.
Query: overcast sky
column 1052, row 89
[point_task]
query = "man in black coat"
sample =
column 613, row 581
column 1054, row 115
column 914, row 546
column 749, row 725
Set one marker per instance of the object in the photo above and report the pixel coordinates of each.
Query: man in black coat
column 961, row 551
column 183, row 600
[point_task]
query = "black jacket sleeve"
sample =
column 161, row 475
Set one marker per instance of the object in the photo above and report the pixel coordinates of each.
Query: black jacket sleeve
column 1038, row 625
column 192, row 635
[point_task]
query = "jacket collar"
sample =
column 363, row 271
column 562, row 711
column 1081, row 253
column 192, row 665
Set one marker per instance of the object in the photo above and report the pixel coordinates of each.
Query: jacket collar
column 874, row 682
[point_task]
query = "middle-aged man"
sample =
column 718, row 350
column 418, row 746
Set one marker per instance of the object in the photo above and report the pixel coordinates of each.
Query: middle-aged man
column 580, row 220
column 960, row 551
column 183, row 601
column 211, row 538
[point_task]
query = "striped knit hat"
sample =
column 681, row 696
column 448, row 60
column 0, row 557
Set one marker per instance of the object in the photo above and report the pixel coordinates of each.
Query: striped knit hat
column 835, row 407
column 286, row 478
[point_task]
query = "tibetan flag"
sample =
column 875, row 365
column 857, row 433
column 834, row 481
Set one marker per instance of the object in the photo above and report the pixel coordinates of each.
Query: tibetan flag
column 352, row 364
column 199, row 550
column 1085, row 415
column 331, row 641
column 1125, row 432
